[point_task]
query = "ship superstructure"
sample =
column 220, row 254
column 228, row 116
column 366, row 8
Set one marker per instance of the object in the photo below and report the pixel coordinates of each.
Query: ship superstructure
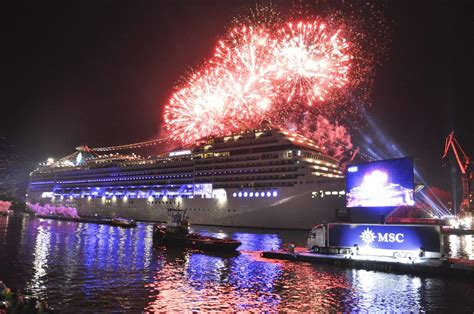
column 264, row 178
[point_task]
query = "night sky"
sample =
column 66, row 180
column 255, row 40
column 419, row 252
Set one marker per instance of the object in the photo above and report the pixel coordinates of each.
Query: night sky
column 99, row 72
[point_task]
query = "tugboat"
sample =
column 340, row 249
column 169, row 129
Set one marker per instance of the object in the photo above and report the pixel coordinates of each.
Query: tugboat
column 176, row 233
column 122, row 222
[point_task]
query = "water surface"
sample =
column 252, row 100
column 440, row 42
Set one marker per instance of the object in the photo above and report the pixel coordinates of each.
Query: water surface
column 87, row 267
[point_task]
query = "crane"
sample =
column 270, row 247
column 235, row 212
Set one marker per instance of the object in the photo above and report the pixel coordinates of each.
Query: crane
column 464, row 163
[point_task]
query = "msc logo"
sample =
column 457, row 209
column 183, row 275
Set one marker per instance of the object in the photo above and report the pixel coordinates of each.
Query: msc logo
column 352, row 169
column 368, row 236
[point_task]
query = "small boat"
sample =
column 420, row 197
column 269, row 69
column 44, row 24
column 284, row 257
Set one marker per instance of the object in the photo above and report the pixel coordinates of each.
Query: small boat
column 57, row 217
column 176, row 233
column 122, row 222
column 116, row 222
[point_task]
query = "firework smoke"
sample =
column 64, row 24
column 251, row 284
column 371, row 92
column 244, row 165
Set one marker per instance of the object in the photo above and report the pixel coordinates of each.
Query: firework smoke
column 334, row 139
column 5, row 206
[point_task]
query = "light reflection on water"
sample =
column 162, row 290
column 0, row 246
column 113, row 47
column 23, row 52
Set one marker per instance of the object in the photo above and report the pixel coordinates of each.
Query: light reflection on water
column 40, row 256
column 82, row 267
column 460, row 247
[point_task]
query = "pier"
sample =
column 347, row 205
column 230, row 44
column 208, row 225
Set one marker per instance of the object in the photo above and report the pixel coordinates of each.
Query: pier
column 427, row 267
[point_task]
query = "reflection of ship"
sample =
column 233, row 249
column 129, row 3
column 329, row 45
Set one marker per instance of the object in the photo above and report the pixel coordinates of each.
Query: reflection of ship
column 375, row 190
column 260, row 178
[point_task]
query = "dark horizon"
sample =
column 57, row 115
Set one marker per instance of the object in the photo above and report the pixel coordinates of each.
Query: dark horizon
column 98, row 74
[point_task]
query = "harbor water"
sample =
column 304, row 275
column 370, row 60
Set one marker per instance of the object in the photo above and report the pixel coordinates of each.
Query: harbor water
column 80, row 267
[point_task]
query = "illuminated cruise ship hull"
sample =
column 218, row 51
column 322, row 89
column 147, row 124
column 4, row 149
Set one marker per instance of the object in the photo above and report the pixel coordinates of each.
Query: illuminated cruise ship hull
column 261, row 179
column 291, row 211
column 288, row 210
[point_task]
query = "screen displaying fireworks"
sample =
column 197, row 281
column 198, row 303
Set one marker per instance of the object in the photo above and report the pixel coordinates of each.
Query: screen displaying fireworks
column 295, row 73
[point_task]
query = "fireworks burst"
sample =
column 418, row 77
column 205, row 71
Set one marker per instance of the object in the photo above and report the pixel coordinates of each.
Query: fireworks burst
column 312, row 62
column 262, row 15
column 244, row 62
column 197, row 109
column 267, row 69
column 250, row 70
column 233, row 91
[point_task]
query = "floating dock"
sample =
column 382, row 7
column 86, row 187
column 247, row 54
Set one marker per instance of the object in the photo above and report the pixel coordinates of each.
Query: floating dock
column 428, row 267
column 458, row 231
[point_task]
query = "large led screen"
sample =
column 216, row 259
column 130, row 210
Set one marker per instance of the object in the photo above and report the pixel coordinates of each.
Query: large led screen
column 382, row 183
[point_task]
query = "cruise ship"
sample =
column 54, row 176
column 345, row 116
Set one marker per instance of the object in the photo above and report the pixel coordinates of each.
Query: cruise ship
column 262, row 178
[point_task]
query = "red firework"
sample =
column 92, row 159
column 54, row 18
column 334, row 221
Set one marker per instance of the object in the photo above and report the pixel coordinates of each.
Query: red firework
column 245, row 62
column 312, row 62
column 198, row 109
column 255, row 73
column 234, row 90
